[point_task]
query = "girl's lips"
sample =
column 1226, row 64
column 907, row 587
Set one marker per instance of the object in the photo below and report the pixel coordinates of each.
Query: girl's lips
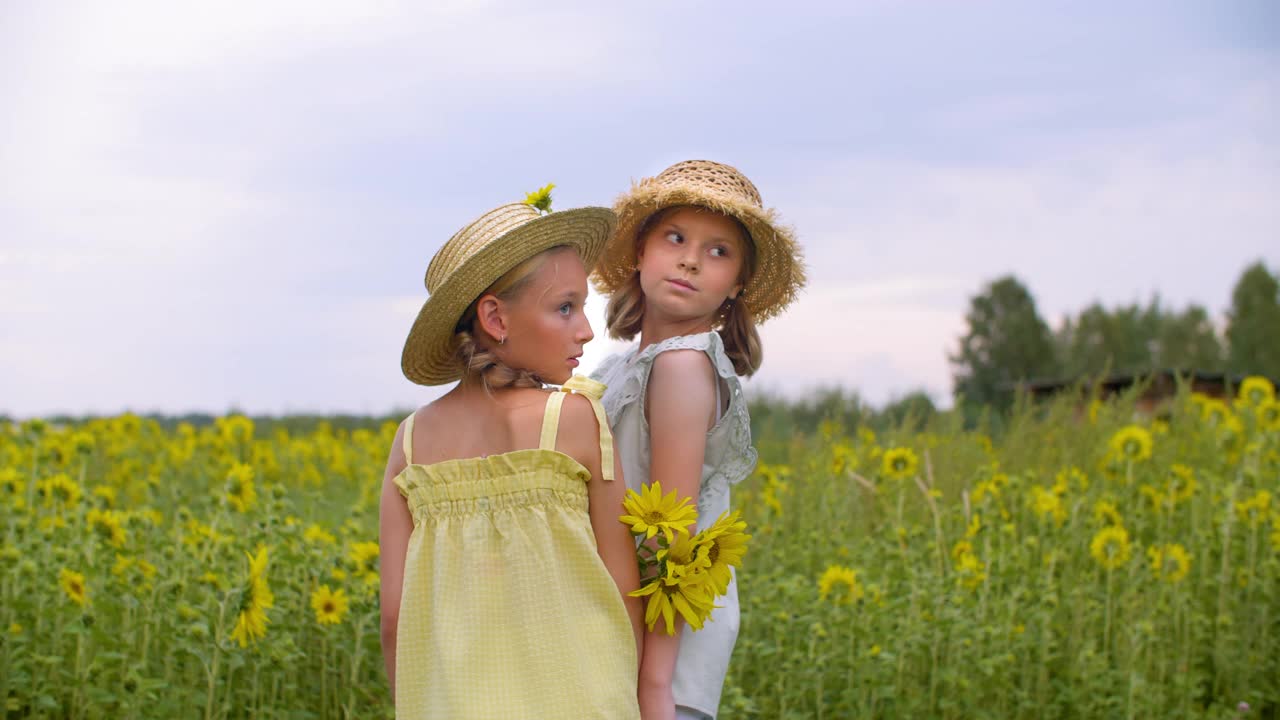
column 573, row 362
column 681, row 284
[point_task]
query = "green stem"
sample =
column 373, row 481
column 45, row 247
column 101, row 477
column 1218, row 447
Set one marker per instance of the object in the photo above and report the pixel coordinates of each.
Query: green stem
column 1106, row 627
column 211, row 669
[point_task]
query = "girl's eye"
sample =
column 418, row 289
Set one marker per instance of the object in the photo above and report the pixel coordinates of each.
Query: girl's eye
column 565, row 309
column 675, row 237
column 720, row 251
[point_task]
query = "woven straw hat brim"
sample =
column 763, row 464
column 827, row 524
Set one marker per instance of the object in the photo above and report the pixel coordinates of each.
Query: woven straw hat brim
column 428, row 351
column 779, row 274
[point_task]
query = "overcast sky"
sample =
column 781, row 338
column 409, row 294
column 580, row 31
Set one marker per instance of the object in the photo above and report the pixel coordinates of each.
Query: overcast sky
column 233, row 205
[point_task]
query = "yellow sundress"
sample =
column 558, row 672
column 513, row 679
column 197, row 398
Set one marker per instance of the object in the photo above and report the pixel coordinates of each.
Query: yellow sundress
column 507, row 610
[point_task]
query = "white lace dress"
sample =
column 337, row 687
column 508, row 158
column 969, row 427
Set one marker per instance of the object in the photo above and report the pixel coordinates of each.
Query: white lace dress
column 704, row 655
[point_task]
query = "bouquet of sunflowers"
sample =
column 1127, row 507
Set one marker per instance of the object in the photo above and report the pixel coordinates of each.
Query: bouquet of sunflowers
column 679, row 572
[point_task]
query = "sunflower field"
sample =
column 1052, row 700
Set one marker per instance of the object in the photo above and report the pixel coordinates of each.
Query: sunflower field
column 1079, row 563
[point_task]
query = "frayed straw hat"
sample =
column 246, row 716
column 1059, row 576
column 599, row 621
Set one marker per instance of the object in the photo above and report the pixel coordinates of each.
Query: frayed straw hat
column 779, row 272
column 474, row 258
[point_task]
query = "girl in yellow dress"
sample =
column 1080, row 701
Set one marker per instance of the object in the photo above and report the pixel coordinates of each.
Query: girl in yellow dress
column 504, row 566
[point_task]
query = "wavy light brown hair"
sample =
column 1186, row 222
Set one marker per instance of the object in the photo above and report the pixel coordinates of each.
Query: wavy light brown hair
column 472, row 347
column 736, row 326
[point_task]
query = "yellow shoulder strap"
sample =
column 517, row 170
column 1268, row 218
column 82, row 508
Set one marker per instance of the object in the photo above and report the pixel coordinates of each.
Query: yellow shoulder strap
column 550, row 421
column 408, row 439
column 593, row 391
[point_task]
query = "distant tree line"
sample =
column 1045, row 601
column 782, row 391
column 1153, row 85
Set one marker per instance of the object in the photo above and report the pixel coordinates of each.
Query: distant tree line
column 1007, row 341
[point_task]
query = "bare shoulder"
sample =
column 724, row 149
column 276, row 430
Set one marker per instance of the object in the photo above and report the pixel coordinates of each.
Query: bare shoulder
column 397, row 460
column 577, row 413
column 680, row 395
column 579, row 432
column 682, row 370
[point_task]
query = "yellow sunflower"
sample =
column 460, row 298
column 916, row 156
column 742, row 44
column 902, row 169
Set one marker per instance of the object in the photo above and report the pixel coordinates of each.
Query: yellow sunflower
column 255, row 600
column 12, row 487
column 899, row 463
column 241, row 493
column 72, row 583
column 318, row 535
column 1110, row 547
column 970, row 571
column 364, row 556
column 1047, row 503
column 975, row 526
column 1132, row 443
column 1253, row 512
column 1169, row 562
column 1105, row 512
column 688, row 553
column 235, row 429
column 540, row 199
column 1255, row 390
column 1181, row 483
column 1067, row 477
column 726, row 545
column 1213, row 411
column 330, row 606
column 650, row 512
column 107, row 494
column 842, row 583
column 843, row 458
column 1267, row 413
column 677, row 592
column 59, row 489
column 1231, row 437
column 1156, row 497
column 109, row 525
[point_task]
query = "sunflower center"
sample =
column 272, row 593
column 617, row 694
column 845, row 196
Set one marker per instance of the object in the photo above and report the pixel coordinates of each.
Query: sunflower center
column 653, row 517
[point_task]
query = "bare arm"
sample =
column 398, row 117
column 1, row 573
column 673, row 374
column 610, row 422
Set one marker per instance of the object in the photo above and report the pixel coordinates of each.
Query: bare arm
column 680, row 407
column 394, row 527
column 613, row 542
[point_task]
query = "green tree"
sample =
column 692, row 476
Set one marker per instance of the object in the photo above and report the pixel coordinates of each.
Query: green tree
column 1188, row 341
column 1124, row 340
column 1253, row 324
column 915, row 407
column 1007, row 342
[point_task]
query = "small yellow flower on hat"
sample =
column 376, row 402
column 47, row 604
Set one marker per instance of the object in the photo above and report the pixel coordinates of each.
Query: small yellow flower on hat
column 540, row 199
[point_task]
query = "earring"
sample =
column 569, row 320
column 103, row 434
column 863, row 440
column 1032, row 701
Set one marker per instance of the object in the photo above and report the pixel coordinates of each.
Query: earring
column 502, row 339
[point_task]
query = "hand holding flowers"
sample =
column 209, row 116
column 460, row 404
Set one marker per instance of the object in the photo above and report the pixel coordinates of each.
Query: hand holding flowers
column 679, row 572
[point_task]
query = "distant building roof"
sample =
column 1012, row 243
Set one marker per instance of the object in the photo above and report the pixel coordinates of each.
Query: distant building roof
column 1163, row 379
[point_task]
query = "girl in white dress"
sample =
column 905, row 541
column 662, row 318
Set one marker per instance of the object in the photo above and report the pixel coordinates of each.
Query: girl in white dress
column 694, row 264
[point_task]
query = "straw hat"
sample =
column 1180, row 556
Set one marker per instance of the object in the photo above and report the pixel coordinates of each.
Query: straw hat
column 779, row 272
column 474, row 258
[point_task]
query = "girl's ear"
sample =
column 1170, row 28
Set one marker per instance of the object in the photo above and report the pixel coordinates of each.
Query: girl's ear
column 491, row 316
column 735, row 292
